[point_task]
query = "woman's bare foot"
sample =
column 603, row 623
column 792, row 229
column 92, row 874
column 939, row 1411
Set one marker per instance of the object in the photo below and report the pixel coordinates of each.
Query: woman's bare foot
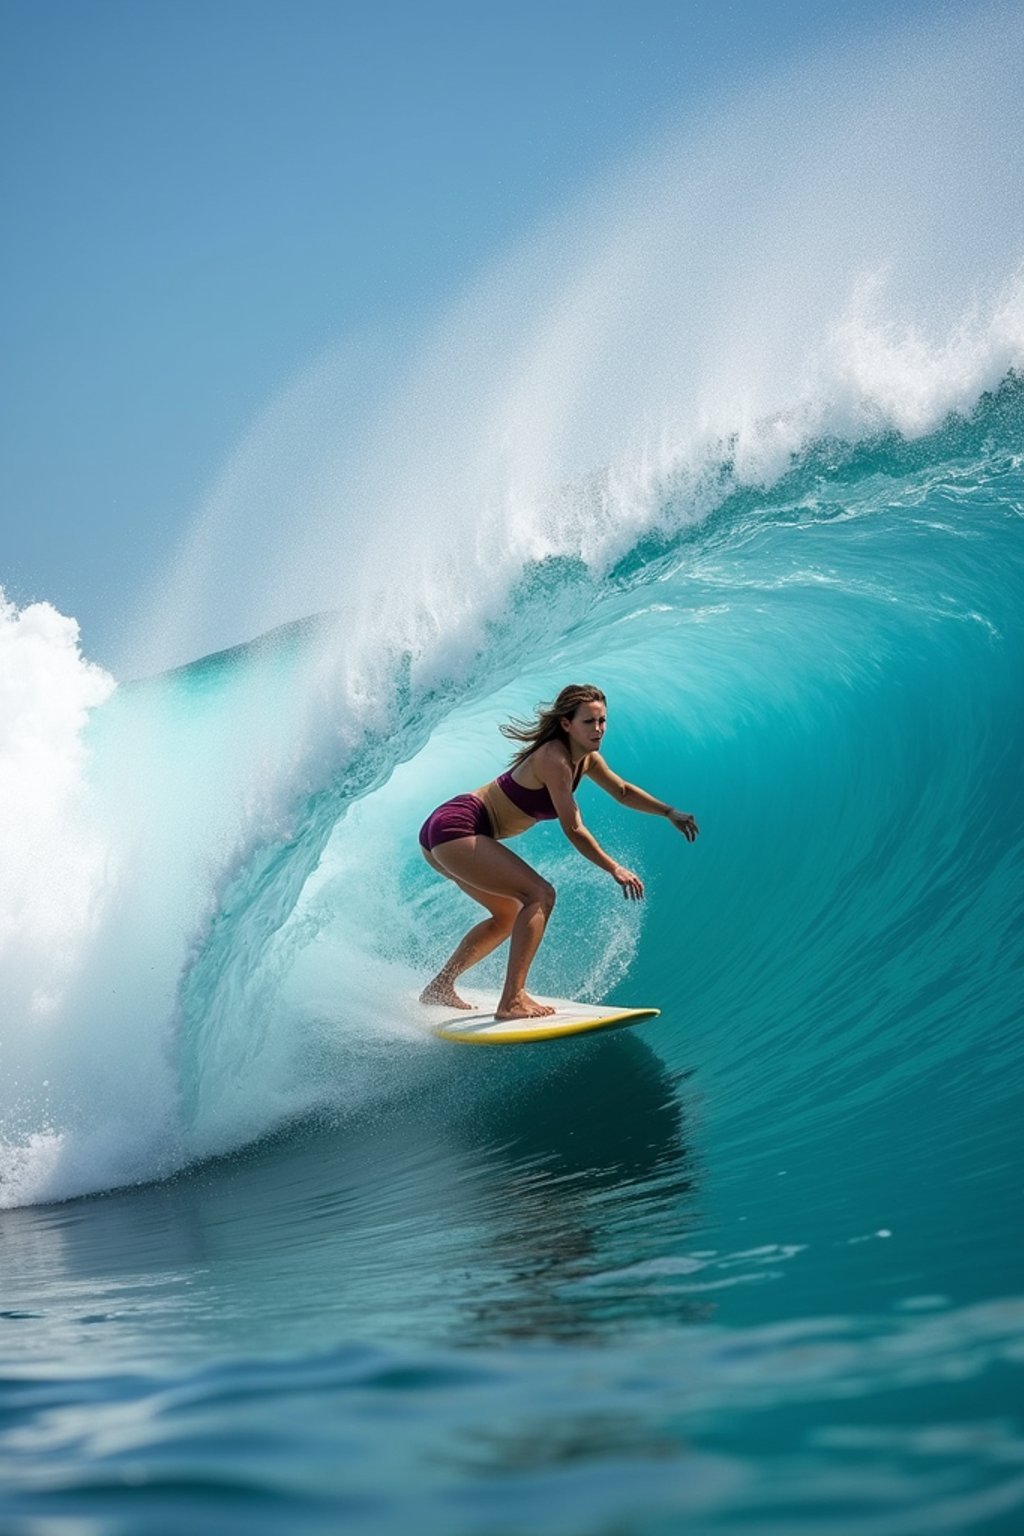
column 443, row 994
column 523, row 1006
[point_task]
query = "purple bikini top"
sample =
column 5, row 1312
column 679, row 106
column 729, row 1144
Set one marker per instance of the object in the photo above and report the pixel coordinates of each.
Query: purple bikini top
column 533, row 802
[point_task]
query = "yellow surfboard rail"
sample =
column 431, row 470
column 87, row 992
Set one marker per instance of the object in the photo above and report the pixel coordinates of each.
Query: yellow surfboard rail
column 570, row 1019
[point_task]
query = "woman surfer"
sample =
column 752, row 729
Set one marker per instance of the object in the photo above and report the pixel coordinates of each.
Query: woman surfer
column 463, row 840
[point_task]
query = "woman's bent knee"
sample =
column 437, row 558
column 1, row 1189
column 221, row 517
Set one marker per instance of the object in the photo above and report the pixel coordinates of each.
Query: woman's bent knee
column 544, row 895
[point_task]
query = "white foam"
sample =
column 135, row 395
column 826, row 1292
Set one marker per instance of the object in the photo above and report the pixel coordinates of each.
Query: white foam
column 118, row 842
column 53, row 869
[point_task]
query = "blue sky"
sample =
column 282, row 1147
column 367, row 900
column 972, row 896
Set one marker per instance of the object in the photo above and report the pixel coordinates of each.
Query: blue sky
column 199, row 198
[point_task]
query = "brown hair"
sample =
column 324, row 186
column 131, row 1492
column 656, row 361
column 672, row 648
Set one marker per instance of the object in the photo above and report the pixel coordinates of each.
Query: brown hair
column 547, row 723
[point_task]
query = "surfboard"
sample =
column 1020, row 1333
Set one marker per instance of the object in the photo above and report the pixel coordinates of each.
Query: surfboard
column 569, row 1018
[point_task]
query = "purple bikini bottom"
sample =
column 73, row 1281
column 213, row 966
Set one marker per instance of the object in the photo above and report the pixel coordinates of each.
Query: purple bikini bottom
column 465, row 816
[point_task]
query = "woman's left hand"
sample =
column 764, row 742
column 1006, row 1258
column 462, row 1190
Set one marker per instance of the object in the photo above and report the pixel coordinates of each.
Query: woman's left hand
column 684, row 823
column 632, row 886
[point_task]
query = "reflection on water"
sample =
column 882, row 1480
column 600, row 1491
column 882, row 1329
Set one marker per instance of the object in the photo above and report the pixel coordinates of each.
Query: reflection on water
column 466, row 1211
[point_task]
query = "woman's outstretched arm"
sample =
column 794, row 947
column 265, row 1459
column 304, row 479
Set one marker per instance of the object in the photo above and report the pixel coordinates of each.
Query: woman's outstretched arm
column 554, row 772
column 638, row 799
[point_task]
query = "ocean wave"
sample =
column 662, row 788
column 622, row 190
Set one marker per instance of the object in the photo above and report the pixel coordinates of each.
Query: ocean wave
column 823, row 663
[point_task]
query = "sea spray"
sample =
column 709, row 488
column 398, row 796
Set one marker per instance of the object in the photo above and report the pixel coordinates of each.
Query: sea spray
column 744, row 287
column 53, row 871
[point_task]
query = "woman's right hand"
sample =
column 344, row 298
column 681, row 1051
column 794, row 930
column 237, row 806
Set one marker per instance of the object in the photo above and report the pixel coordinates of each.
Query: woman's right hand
column 632, row 885
column 684, row 823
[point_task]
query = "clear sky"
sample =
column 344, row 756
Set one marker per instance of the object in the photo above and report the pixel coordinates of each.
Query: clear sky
column 200, row 196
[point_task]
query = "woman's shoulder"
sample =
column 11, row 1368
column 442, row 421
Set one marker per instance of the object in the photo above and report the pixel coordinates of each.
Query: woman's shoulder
column 551, row 757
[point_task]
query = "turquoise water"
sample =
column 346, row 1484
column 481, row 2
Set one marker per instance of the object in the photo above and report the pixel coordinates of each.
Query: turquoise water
column 274, row 1259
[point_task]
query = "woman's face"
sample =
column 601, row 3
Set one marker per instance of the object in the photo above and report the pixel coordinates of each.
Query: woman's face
column 585, row 729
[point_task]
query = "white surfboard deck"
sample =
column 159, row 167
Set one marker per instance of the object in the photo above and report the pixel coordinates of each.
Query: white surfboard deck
column 569, row 1018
